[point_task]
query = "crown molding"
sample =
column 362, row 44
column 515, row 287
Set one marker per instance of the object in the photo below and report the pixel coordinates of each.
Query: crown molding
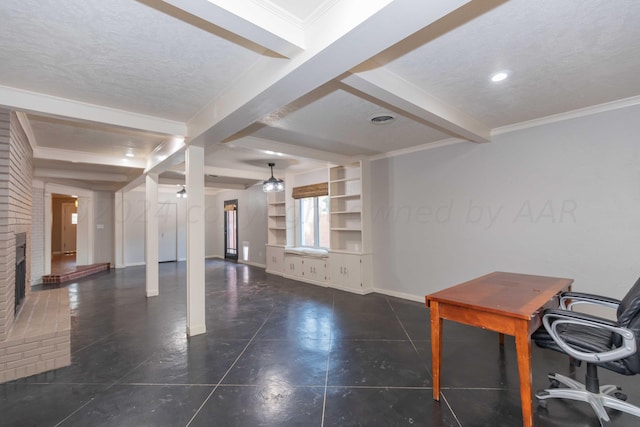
column 418, row 148
column 574, row 114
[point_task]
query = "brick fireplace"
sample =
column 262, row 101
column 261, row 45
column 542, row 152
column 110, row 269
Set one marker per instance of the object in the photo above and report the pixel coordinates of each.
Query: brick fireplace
column 34, row 326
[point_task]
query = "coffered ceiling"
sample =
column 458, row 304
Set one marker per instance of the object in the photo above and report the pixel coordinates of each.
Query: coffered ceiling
column 295, row 81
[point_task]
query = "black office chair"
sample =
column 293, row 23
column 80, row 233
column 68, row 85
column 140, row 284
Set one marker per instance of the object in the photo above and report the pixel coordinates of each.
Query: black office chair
column 598, row 342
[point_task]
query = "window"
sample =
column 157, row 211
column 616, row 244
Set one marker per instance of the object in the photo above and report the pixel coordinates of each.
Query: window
column 314, row 221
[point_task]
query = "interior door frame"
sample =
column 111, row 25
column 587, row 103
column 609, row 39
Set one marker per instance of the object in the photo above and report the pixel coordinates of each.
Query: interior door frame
column 230, row 206
column 85, row 228
column 63, row 230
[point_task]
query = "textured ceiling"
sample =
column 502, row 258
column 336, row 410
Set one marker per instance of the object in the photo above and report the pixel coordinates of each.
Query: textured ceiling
column 131, row 75
column 562, row 55
column 120, row 54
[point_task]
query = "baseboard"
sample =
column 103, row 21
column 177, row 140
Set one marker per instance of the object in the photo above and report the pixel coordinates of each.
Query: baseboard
column 400, row 295
column 136, row 264
column 253, row 264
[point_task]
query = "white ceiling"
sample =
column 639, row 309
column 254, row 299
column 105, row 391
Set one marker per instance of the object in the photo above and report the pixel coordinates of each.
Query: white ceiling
column 293, row 81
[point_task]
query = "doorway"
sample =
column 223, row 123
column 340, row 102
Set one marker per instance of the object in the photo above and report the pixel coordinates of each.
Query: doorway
column 64, row 233
column 231, row 229
column 69, row 222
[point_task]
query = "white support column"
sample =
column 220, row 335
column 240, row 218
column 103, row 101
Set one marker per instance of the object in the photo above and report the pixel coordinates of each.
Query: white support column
column 48, row 220
column 194, row 163
column 151, row 234
column 85, row 230
column 118, row 239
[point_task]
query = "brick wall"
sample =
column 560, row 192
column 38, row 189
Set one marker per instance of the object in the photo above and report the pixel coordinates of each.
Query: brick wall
column 7, row 260
column 16, row 176
column 38, row 338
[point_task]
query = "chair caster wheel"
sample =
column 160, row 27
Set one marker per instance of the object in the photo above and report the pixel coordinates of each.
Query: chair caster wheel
column 542, row 403
column 554, row 384
column 620, row 395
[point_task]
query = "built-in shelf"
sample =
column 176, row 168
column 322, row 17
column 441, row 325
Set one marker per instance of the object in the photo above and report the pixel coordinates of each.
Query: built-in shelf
column 276, row 219
column 347, row 265
column 345, row 212
column 345, row 204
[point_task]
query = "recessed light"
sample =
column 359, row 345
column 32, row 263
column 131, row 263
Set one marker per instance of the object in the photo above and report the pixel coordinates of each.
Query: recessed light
column 499, row 76
column 382, row 119
column 273, row 153
column 129, row 154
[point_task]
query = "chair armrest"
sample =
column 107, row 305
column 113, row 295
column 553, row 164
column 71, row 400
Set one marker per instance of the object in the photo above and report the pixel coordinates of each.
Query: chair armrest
column 555, row 317
column 569, row 299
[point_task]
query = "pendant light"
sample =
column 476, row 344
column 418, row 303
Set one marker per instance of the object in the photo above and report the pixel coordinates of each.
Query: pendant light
column 273, row 185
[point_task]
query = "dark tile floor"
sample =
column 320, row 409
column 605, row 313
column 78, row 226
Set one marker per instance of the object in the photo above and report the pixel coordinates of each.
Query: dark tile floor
column 277, row 353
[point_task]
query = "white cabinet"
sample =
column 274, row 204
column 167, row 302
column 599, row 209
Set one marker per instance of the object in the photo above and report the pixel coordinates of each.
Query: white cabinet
column 293, row 265
column 348, row 264
column 346, row 272
column 314, row 269
column 275, row 259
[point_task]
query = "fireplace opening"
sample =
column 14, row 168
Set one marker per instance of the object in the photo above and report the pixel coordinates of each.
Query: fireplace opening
column 21, row 269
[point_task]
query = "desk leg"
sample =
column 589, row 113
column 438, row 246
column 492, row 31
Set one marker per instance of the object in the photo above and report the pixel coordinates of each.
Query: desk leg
column 523, row 350
column 436, row 347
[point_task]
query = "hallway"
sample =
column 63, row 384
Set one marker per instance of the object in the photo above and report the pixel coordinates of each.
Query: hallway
column 63, row 263
column 276, row 353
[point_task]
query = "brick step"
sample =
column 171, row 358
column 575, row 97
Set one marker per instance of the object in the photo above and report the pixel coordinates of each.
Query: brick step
column 40, row 338
column 77, row 273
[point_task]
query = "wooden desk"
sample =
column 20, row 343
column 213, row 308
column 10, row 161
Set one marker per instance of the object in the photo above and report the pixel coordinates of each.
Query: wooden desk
column 507, row 303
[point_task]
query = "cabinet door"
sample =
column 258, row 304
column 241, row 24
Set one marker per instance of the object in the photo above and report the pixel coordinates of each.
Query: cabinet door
column 314, row 269
column 293, row 265
column 345, row 270
column 275, row 259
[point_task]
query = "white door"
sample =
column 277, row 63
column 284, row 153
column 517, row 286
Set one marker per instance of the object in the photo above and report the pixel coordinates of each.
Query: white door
column 69, row 227
column 167, row 232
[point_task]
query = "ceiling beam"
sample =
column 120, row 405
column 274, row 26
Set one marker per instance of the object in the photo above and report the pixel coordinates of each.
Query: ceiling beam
column 88, row 176
column 388, row 87
column 166, row 155
column 250, row 21
column 84, row 157
column 343, row 37
column 236, row 173
column 133, row 184
column 217, row 185
column 46, row 105
column 275, row 147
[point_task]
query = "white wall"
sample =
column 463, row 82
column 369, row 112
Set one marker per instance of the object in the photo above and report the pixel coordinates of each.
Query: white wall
column 252, row 223
column 214, row 227
column 134, row 225
column 307, row 178
column 103, row 211
column 560, row 199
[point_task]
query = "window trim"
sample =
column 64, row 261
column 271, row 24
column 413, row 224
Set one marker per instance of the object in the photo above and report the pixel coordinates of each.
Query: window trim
column 316, row 222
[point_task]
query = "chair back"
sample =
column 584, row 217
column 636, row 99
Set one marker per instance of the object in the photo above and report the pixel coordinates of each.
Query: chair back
column 629, row 317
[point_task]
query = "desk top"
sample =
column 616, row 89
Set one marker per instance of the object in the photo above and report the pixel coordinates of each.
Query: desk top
column 512, row 294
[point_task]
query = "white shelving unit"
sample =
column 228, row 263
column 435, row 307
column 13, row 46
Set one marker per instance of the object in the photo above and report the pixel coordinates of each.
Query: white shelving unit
column 277, row 232
column 277, row 220
column 349, row 258
column 345, row 201
column 348, row 264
